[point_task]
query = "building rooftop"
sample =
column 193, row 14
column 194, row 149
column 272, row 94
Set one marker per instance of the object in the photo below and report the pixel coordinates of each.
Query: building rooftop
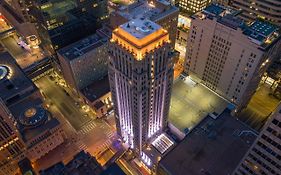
column 98, row 104
column 259, row 32
column 113, row 169
column 214, row 9
column 81, row 164
column 14, row 84
column 152, row 10
column 140, row 28
column 32, row 118
column 96, row 90
column 55, row 169
column 83, row 46
column 262, row 32
column 211, row 145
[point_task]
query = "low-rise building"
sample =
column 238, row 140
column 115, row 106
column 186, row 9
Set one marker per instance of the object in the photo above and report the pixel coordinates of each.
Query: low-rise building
column 97, row 95
column 214, row 146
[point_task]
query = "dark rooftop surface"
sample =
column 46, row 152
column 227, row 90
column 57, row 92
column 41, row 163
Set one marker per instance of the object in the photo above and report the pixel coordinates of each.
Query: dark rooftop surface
column 97, row 89
column 53, row 170
column 113, row 169
column 40, row 126
column 214, row 9
column 98, row 104
column 14, row 84
column 83, row 46
column 81, row 164
column 213, row 147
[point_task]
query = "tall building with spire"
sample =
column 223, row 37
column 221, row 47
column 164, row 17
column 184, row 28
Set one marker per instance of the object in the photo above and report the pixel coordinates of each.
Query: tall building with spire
column 141, row 76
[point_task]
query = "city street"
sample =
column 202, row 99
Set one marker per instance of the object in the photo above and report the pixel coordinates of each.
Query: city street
column 84, row 132
column 259, row 108
column 56, row 95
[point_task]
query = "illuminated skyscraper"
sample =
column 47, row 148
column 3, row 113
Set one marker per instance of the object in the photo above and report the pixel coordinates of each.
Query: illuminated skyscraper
column 141, row 76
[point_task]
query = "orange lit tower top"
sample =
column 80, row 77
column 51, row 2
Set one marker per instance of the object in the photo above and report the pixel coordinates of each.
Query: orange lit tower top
column 140, row 36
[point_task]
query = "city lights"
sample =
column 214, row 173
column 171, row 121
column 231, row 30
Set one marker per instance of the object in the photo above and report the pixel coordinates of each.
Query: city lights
column 140, row 87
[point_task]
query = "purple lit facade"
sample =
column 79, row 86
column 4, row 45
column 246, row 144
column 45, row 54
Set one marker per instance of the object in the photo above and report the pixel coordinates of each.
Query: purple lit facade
column 141, row 92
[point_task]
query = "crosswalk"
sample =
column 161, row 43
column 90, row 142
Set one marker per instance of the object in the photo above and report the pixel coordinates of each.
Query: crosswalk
column 104, row 145
column 110, row 134
column 81, row 146
column 88, row 127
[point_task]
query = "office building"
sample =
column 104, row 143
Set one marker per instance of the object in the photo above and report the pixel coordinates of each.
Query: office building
column 192, row 6
column 16, row 12
column 25, row 125
column 158, row 11
column 14, row 86
column 11, row 145
column 141, row 78
column 215, row 146
column 269, row 10
column 227, row 55
column 61, row 23
column 39, row 130
column 97, row 95
column 84, row 61
column 58, row 23
column 264, row 157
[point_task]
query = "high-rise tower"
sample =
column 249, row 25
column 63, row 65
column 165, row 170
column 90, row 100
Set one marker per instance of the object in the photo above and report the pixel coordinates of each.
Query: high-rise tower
column 141, row 76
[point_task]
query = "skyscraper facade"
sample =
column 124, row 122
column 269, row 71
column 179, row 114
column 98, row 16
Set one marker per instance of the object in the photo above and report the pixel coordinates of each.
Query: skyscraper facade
column 269, row 10
column 141, row 76
column 264, row 156
column 11, row 144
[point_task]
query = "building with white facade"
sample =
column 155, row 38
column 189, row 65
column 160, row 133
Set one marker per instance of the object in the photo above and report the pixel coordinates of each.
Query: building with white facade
column 141, row 78
column 227, row 55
